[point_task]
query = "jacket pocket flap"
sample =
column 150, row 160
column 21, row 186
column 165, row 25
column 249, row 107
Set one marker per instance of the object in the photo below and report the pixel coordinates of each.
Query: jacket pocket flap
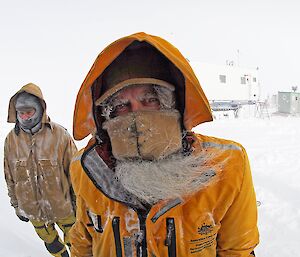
column 47, row 162
column 21, row 163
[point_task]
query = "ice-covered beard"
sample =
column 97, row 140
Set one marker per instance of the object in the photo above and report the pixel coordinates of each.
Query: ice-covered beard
column 173, row 177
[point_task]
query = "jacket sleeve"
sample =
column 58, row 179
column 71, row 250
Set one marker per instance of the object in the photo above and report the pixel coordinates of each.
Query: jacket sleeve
column 238, row 234
column 9, row 177
column 80, row 237
column 69, row 152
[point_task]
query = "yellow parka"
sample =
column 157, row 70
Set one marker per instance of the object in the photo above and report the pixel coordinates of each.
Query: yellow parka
column 36, row 167
column 217, row 220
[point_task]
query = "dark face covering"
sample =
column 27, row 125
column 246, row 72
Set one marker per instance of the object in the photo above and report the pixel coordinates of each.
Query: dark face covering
column 24, row 103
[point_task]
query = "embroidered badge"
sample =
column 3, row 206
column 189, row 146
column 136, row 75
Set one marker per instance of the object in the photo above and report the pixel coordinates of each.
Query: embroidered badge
column 205, row 229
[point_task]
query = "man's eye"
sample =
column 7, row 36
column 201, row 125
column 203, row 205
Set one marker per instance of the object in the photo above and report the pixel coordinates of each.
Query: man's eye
column 152, row 100
column 120, row 106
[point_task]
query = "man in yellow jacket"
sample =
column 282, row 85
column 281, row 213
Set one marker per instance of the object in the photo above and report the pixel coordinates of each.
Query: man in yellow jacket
column 146, row 185
column 37, row 156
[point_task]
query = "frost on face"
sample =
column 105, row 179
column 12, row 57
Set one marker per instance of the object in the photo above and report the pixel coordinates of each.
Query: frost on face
column 147, row 144
column 150, row 181
column 173, row 177
column 165, row 96
column 145, row 134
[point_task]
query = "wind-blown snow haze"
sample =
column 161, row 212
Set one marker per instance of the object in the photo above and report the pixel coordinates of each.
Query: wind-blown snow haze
column 54, row 43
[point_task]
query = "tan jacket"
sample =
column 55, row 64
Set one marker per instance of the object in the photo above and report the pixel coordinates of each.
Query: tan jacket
column 36, row 167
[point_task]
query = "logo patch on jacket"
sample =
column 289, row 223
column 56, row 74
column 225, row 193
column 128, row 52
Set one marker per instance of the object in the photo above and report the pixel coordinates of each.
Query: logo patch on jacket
column 205, row 229
column 206, row 238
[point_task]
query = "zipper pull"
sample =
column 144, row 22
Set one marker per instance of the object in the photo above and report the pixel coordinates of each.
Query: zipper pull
column 170, row 229
column 139, row 237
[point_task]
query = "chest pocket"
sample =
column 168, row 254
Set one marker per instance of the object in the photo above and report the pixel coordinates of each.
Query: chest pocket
column 48, row 167
column 49, row 173
column 22, row 172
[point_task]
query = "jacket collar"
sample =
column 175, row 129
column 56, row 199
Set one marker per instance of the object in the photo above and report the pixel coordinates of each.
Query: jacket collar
column 104, row 179
column 48, row 124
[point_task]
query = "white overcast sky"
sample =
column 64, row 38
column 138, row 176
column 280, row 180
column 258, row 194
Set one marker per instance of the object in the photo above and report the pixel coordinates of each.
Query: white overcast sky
column 54, row 43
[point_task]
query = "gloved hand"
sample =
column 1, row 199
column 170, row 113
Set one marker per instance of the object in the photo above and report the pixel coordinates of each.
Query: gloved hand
column 22, row 218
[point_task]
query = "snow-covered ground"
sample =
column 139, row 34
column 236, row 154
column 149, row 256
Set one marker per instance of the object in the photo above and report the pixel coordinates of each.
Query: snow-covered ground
column 273, row 146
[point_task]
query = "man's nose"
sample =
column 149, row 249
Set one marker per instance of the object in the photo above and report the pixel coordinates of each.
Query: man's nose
column 136, row 106
column 25, row 116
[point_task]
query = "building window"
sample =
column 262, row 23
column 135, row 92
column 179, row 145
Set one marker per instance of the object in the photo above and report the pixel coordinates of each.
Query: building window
column 243, row 80
column 254, row 79
column 222, row 78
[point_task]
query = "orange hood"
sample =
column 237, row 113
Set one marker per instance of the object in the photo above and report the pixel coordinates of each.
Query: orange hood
column 196, row 106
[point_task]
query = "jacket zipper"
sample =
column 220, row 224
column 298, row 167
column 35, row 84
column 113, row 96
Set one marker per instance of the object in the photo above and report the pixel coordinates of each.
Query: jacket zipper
column 116, row 230
column 141, row 244
column 171, row 237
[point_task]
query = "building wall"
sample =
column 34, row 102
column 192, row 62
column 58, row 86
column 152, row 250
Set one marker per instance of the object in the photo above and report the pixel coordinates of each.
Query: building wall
column 284, row 102
column 224, row 82
column 289, row 102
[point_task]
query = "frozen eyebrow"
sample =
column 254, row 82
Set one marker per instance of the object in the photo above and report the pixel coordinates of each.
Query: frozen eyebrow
column 109, row 105
column 166, row 97
column 115, row 102
column 148, row 95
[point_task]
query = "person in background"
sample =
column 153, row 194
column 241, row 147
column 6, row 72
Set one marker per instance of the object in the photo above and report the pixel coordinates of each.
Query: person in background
column 146, row 185
column 37, row 156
